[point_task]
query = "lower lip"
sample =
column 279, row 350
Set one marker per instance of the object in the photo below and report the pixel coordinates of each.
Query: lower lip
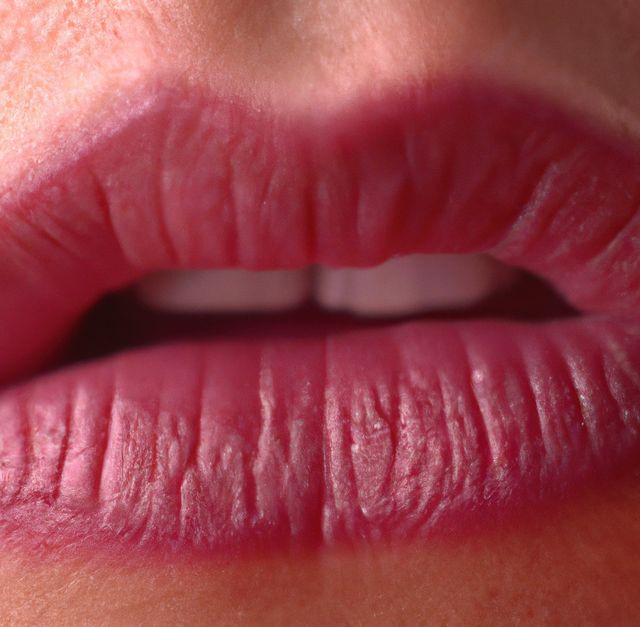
column 384, row 434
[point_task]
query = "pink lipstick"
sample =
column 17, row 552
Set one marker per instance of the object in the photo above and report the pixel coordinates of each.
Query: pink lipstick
column 391, row 432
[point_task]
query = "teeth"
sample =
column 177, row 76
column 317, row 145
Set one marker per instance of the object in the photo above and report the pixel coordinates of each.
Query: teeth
column 225, row 290
column 402, row 286
column 407, row 285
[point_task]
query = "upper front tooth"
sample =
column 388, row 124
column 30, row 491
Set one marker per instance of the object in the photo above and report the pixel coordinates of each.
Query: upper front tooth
column 225, row 290
column 402, row 286
column 407, row 285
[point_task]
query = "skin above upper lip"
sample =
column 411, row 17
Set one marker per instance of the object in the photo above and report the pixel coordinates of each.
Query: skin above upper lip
column 384, row 434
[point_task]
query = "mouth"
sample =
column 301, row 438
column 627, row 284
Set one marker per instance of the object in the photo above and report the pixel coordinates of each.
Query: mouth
column 306, row 430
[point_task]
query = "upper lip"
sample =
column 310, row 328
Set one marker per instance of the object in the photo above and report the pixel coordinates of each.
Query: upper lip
column 181, row 179
column 189, row 181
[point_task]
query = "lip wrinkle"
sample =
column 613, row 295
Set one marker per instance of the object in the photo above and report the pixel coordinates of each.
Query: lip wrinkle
column 539, row 429
column 64, row 451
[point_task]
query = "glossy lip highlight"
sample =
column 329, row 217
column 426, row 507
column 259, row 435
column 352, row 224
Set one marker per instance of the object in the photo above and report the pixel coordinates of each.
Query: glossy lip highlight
column 455, row 168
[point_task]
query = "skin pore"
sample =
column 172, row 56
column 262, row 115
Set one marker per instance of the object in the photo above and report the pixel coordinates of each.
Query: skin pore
column 62, row 62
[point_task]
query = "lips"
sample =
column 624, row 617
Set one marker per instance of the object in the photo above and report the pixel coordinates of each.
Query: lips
column 370, row 434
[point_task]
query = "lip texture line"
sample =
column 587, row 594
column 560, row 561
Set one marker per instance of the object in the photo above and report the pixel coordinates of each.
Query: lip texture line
column 390, row 433
column 387, row 434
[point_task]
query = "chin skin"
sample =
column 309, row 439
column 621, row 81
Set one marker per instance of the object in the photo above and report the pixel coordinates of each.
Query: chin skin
column 573, row 563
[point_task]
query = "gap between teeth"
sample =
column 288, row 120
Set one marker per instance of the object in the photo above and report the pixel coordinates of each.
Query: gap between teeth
column 403, row 285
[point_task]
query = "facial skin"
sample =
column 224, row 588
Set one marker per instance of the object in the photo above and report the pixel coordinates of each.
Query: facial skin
column 61, row 62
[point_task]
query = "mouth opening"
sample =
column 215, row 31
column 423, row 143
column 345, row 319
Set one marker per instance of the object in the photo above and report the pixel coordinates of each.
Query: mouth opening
column 173, row 307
